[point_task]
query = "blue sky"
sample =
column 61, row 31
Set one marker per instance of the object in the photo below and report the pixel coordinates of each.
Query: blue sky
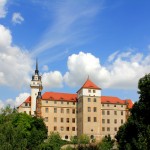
column 109, row 41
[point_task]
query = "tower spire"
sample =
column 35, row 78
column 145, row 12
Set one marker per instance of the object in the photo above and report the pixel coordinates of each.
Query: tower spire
column 36, row 70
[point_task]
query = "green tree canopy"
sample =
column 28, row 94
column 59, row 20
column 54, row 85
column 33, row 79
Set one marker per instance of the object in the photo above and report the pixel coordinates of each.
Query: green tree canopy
column 20, row 131
column 135, row 133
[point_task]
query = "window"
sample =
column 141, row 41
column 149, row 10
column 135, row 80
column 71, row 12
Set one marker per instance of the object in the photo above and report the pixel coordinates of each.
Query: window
column 62, row 110
column 103, row 105
column 121, row 121
column 114, row 105
column 73, row 103
column 121, row 105
column 67, row 128
column 66, row 137
column 108, row 120
column 115, row 121
column 108, row 128
column 25, row 112
column 95, row 119
column 95, row 109
column 115, row 129
column 108, row 112
column 103, row 112
column 55, row 128
column 103, row 128
column 94, row 99
column 103, row 120
column 61, row 119
column 73, row 120
column 55, row 110
column 73, row 128
column 55, row 119
column 89, row 119
column 107, row 105
column 46, row 119
column 55, row 102
column 26, row 104
column 115, row 112
column 73, row 111
column 46, row 101
column 46, row 110
column 29, row 112
column 89, row 91
column 89, row 109
column 67, row 103
column 121, row 113
column 67, row 111
column 94, row 91
column 67, row 120
column 61, row 102
column 89, row 100
column 62, row 128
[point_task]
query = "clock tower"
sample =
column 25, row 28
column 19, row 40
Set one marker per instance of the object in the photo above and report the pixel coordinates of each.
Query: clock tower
column 36, row 86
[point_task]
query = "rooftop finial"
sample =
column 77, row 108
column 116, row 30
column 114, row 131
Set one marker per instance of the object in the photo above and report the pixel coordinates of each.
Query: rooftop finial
column 88, row 77
column 36, row 70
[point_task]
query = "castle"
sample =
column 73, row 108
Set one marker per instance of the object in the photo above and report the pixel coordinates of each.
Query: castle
column 85, row 112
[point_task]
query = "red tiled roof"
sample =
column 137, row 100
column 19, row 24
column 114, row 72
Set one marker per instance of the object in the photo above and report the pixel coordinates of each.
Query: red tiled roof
column 28, row 100
column 90, row 85
column 59, row 96
column 111, row 99
column 129, row 103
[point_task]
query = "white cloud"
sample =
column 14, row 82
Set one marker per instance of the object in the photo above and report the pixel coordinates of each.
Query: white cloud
column 16, row 64
column 45, row 68
column 112, row 56
column 14, row 103
column 3, row 11
column 17, row 18
column 52, row 80
column 122, row 73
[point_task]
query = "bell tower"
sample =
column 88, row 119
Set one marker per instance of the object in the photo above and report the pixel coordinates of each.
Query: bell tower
column 36, row 86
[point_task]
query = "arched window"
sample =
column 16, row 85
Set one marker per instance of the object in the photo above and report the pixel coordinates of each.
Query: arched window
column 66, row 137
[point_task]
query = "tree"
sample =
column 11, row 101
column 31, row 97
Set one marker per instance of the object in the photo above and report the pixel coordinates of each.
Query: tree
column 135, row 133
column 74, row 140
column 54, row 142
column 20, row 131
column 106, row 144
column 84, row 139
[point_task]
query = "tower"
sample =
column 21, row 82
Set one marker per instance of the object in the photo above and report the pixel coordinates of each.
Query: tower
column 89, row 114
column 36, row 86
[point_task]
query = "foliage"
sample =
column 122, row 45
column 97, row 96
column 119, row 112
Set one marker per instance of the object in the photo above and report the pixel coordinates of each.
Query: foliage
column 84, row 139
column 135, row 133
column 107, row 143
column 54, row 142
column 20, row 131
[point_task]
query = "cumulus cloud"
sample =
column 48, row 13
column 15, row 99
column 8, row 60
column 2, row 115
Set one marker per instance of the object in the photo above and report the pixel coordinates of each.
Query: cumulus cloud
column 16, row 64
column 52, row 79
column 45, row 68
column 17, row 18
column 123, row 72
column 3, row 11
column 16, row 102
